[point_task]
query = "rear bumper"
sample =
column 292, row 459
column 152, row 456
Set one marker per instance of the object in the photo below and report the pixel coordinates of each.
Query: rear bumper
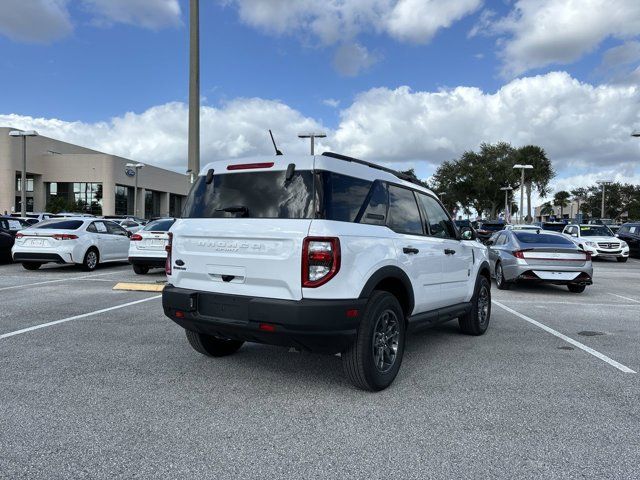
column 519, row 273
column 313, row 325
column 154, row 262
column 38, row 257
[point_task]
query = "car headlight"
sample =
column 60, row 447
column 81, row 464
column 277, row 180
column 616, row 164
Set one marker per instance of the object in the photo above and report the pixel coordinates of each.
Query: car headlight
column 591, row 244
column 624, row 244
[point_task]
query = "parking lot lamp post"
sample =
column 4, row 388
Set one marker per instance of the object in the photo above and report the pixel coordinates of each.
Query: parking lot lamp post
column 522, row 169
column 604, row 183
column 313, row 137
column 506, row 201
column 137, row 167
column 194, row 91
column 23, row 174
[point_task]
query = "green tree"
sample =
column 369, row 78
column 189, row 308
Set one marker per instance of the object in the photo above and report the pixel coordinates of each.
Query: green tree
column 546, row 209
column 561, row 199
column 580, row 194
column 539, row 177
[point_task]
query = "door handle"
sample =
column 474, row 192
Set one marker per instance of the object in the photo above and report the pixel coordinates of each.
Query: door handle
column 410, row 250
column 448, row 251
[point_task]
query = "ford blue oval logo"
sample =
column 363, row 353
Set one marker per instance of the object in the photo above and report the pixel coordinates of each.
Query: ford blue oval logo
column 130, row 172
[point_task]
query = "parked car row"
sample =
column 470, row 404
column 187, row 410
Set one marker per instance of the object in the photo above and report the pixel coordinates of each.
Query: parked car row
column 84, row 241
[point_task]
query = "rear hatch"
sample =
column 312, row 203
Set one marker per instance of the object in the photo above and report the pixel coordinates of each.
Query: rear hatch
column 151, row 241
column 242, row 233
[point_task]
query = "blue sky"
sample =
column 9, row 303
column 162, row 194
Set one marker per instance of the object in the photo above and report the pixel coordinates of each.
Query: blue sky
column 385, row 78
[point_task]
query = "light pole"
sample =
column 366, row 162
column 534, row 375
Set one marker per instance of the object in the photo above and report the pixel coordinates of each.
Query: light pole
column 23, row 174
column 522, row 168
column 604, row 183
column 313, row 137
column 137, row 167
column 506, row 201
column 194, row 90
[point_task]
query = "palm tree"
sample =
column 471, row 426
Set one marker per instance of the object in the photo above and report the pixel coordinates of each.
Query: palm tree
column 541, row 174
column 579, row 194
column 561, row 199
column 546, row 209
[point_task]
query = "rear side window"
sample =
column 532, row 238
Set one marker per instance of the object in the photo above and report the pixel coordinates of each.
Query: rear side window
column 252, row 195
column 343, row 196
column 60, row 225
column 440, row 225
column 530, row 237
column 159, row 225
column 404, row 216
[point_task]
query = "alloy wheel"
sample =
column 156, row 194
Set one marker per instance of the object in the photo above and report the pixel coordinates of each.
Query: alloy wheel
column 386, row 336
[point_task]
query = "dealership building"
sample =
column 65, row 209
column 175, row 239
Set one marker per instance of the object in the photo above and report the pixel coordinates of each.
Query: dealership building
column 95, row 182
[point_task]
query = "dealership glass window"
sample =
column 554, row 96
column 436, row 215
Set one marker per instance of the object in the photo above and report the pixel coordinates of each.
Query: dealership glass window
column 151, row 204
column 19, row 184
column 124, row 200
column 175, row 205
column 88, row 196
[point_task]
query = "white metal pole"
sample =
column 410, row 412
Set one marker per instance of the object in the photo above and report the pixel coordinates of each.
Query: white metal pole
column 23, row 178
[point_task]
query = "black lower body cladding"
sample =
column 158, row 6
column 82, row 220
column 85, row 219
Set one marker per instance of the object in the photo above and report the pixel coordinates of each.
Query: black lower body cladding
column 323, row 326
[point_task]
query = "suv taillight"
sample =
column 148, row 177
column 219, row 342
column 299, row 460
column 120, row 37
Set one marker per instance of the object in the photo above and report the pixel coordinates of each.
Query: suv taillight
column 320, row 260
column 167, row 265
column 19, row 235
column 135, row 237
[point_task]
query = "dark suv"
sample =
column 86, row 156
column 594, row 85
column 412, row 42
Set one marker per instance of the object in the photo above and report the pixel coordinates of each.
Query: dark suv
column 630, row 233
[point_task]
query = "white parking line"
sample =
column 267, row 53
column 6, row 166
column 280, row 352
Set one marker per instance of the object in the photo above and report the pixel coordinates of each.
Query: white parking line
column 76, row 317
column 570, row 340
column 625, row 298
column 537, row 303
column 59, row 280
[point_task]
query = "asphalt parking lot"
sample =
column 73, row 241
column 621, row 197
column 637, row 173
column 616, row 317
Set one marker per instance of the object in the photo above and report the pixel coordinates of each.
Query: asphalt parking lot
column 109, row 388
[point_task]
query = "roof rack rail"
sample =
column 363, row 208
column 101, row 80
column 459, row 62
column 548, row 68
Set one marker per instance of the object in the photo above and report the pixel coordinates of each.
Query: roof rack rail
column 400, row 175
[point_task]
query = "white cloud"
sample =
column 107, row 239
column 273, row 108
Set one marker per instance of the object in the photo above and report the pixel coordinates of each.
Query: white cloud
column 36, row 21
column 621, row 64
column 159, row 135
column 538, row 33
column 333, row 21
column 351, row 59
column 44, row 21
column 585, row 129
column 331, row 102
column 418, row 21
column 153, row 14
column 578, row 124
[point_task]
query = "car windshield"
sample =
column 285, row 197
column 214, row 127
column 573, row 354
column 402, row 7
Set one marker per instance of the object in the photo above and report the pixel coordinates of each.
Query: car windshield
column 160, row 225
column 60, row 225
column 554, row 227
column 13, row 224
column 492, row 227
column 595, row 231
column 531, row 237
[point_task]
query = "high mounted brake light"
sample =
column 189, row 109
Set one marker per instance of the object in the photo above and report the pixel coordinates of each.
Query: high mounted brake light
column 247, row 166
column 167, row 265
column 320, row 260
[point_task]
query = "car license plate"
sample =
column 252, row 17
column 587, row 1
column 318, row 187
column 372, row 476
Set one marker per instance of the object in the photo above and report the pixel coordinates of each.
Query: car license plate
column 37, row 243
column 157, row 243
column 544, row 275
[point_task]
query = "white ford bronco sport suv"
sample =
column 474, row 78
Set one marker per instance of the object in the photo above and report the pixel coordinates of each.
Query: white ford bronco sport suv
column 323, row 253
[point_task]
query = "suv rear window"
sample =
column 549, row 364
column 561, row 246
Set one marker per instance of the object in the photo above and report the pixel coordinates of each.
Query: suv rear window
column 530, row 237
column 60, row 224
column 252, row 195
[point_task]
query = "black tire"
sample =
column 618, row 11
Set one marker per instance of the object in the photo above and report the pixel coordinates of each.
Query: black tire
column 91, row 260
column 373, row 360
column 140, row 269
column 476, row 322
column 622, row 259
column 573, row 288
column 31, row 265
column 501, row 282
column 212, row 346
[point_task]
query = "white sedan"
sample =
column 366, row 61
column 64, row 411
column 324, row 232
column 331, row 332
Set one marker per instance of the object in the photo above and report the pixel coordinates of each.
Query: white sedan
column 84, row 241
column 147, row 248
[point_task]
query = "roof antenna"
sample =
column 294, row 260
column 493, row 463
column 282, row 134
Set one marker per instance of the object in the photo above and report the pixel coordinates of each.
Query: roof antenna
column 278, row 152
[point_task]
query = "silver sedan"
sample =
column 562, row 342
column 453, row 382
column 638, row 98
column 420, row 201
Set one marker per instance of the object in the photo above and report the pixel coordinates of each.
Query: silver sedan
column 539, row 256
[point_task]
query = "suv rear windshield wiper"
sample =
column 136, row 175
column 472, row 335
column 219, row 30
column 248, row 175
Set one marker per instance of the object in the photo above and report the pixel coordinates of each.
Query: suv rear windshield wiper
column 235, row 209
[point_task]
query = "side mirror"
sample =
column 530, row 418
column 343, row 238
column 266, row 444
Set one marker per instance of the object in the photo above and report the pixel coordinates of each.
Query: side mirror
column 467, row 233
column 128, row 233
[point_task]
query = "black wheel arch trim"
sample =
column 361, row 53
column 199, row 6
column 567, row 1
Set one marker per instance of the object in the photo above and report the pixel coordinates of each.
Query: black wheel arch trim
column 383, row 273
